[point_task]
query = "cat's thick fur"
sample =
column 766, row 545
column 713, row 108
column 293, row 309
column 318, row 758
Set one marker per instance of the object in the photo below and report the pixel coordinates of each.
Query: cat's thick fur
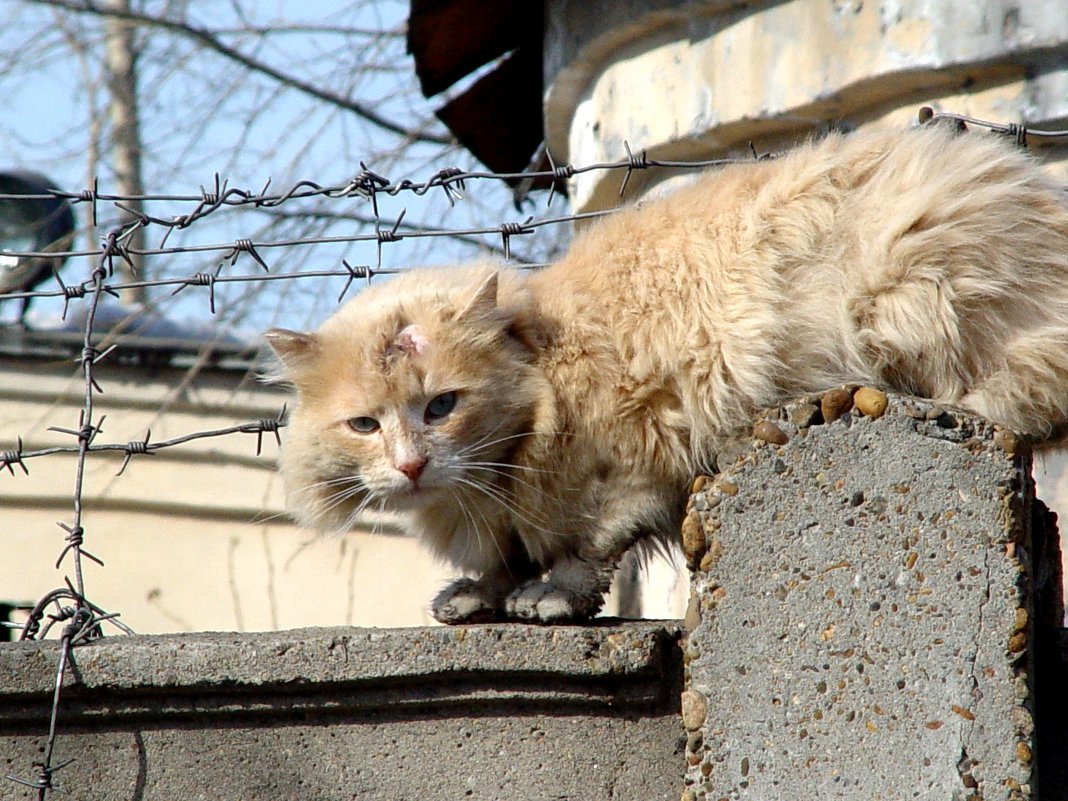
column 534, row 426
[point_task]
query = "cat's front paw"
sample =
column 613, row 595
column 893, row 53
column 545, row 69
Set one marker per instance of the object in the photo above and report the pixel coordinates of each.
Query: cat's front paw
column 466, row 601
column 544, row 602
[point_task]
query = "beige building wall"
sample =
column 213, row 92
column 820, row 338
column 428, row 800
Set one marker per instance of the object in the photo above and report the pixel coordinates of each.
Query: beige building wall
column 701, row 80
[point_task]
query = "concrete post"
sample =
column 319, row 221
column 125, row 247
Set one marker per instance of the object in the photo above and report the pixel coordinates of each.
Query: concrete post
column 863, row 613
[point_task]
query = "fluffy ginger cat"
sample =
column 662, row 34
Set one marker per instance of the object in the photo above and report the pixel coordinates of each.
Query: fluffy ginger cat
column 533, row 426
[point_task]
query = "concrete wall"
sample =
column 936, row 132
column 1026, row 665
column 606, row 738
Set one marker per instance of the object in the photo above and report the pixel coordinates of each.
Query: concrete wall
column 695, row 80
column 875, row 615
column 481, row 712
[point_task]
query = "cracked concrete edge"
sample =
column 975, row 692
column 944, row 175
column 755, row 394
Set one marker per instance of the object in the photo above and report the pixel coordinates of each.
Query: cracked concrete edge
column 504, row 655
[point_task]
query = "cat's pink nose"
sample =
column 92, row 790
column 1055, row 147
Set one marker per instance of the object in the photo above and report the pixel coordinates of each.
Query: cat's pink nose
column 413, row 468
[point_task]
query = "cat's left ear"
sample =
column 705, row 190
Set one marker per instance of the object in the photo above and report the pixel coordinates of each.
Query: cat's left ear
column 484, row 301
column 294, row 349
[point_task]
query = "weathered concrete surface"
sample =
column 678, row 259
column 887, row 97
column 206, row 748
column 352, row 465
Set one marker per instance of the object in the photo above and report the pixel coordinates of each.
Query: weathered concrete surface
column 863, row 623
column 466, row 712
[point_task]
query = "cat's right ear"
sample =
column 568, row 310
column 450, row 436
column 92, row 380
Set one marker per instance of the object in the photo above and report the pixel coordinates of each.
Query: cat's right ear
column 484, row 300
column 294, row 349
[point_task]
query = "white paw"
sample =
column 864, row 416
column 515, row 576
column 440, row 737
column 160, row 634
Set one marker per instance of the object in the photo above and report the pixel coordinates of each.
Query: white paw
column 544, row 602
column 465, row 601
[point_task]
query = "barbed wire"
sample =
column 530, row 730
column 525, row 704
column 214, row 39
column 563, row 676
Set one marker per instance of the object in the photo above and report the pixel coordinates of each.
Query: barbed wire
column 84, row 621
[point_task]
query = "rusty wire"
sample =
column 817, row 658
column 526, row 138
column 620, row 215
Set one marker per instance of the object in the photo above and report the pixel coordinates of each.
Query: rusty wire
column 83, row 619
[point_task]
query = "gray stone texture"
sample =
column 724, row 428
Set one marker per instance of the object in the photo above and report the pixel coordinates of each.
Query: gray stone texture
column 481, row 712
column 862, row 613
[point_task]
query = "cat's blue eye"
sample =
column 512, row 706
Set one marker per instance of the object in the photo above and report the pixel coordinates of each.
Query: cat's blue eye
column 363, row 425
column 440, row 406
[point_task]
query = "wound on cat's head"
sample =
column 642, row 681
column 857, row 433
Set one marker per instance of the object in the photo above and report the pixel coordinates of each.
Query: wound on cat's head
column 411, row 340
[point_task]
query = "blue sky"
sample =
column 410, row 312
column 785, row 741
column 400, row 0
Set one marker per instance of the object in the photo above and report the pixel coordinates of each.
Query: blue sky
column 254, row 132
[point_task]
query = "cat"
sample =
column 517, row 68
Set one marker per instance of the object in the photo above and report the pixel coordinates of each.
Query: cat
column 532, row 426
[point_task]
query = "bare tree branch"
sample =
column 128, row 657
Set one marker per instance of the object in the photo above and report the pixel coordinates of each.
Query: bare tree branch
column 209, row 40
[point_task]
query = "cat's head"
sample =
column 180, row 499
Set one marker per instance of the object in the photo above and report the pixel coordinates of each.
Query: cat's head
column 415, row 391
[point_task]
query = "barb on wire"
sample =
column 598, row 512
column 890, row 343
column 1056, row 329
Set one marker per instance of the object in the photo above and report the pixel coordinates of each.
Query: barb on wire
column 88, row 196
column 202, row 279
column 510, row 229
column 384, row 235
column 136, row 448
column 362, row 271
column 69, row 293
column 86, row 431
column 634, row 162
column 75, row 537
column 35, row 629
column 270, row 425
column 559, row 175
column 10, row 458
column 246, row 246
column 452, row 193
column 1018, row 132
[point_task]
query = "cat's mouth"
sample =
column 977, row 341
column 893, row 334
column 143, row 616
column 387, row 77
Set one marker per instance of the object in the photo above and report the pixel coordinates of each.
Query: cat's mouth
column 413, row 494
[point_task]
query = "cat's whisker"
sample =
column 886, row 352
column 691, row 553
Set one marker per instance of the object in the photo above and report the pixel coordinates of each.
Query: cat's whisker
column 478, row 447
column 331, row 502
column 473, row 466
column 259, row 521
column 479, row 467
column 470, row 542
column 356, row 514
column 506, row 496
column 522, row 468
column 478, row 535
column 338, row 481
column 518, row 512
column 483, row 438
